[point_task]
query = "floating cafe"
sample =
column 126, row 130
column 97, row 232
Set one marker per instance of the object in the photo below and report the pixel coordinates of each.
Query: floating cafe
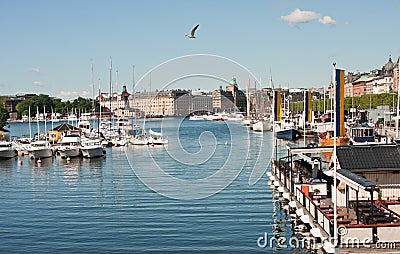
column 341, row 187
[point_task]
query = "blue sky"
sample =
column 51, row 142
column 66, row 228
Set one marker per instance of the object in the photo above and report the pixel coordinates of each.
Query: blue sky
column 49, row 46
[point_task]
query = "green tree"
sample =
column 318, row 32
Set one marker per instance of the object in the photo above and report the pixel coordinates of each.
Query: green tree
column 55, row 105
column 3, row 116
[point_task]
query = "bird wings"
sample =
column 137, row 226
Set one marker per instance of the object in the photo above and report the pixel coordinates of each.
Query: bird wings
column 194, row 30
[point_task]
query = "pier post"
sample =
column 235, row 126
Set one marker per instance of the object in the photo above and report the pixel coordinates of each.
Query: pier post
column 357, row 214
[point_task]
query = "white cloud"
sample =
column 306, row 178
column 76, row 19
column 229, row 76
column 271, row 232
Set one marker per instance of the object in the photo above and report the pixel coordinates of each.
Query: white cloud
column 34, row 69
column 72, row 94
column 38, row 83
column 299, row 16
column 327, row 20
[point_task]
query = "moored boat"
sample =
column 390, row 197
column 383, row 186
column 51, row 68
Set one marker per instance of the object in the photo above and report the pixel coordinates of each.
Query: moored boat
column 70, row 146
column 7, row 150
column 288, row 134
column 326, row 139
column 286, row 129
column 156, row 138
column 139, row 140
column 40, row 149
column 262, row 125
column 92, row 148
column 196, row 118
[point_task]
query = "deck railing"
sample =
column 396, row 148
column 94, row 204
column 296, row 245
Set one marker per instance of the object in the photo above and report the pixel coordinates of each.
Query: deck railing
column 318, row 215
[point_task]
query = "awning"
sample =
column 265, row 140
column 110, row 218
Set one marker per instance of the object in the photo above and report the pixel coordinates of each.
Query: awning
column 355, row 181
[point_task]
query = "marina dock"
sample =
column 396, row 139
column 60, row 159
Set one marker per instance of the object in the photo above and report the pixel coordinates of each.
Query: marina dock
column 363, row 217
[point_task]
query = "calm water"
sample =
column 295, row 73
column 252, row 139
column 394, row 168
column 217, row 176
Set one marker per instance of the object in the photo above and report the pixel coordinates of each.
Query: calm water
column 107, row 206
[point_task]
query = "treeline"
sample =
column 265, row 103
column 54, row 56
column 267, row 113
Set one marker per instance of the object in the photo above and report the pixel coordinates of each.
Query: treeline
column 3, row 115
column 43, row 102
column 363, row 102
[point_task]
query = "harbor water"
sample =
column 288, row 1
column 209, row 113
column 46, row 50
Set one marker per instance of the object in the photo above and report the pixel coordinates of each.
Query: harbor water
column 117, row 205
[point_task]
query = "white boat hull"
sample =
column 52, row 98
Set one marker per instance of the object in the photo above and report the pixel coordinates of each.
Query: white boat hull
column 196, row 118
column 157, row 141
column 262, row 126
column 70, row 152
column 92, row 152
column 246, row 122
column 7, row 154
column 41, row 153
column 143, row 141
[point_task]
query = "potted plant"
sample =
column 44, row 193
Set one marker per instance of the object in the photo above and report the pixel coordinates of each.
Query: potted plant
column 315, row 195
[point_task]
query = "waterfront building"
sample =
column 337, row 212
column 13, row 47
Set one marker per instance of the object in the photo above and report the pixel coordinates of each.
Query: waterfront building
column 378, row 81
column 10, row 103
column 359, row 86
column 229, row 100
column 222, row 100
column 196, row 102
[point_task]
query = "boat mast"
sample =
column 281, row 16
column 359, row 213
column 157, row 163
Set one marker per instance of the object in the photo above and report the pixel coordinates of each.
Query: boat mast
column 29, row 121
column 110, row 90
column 116, row 87
column 248, row 99
column 52, row 120
column 99, row 119
column 44, row 116
column 133, row 95
column 92, row 89
column 37, row 121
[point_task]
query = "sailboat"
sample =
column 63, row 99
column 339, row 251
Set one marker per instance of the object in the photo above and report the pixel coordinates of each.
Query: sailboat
column 156, row 138
column 264, row 122
column 247, row 121
column 284, row 126
column 139, row 135
column 40, row 148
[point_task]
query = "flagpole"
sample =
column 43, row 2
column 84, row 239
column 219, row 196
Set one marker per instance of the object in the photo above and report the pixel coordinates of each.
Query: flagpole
column 335, row 233
column 304, row 116
column 398, row 108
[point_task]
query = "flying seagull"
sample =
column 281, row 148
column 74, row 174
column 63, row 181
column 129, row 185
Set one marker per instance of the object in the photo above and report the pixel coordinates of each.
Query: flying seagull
column 191, row 35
